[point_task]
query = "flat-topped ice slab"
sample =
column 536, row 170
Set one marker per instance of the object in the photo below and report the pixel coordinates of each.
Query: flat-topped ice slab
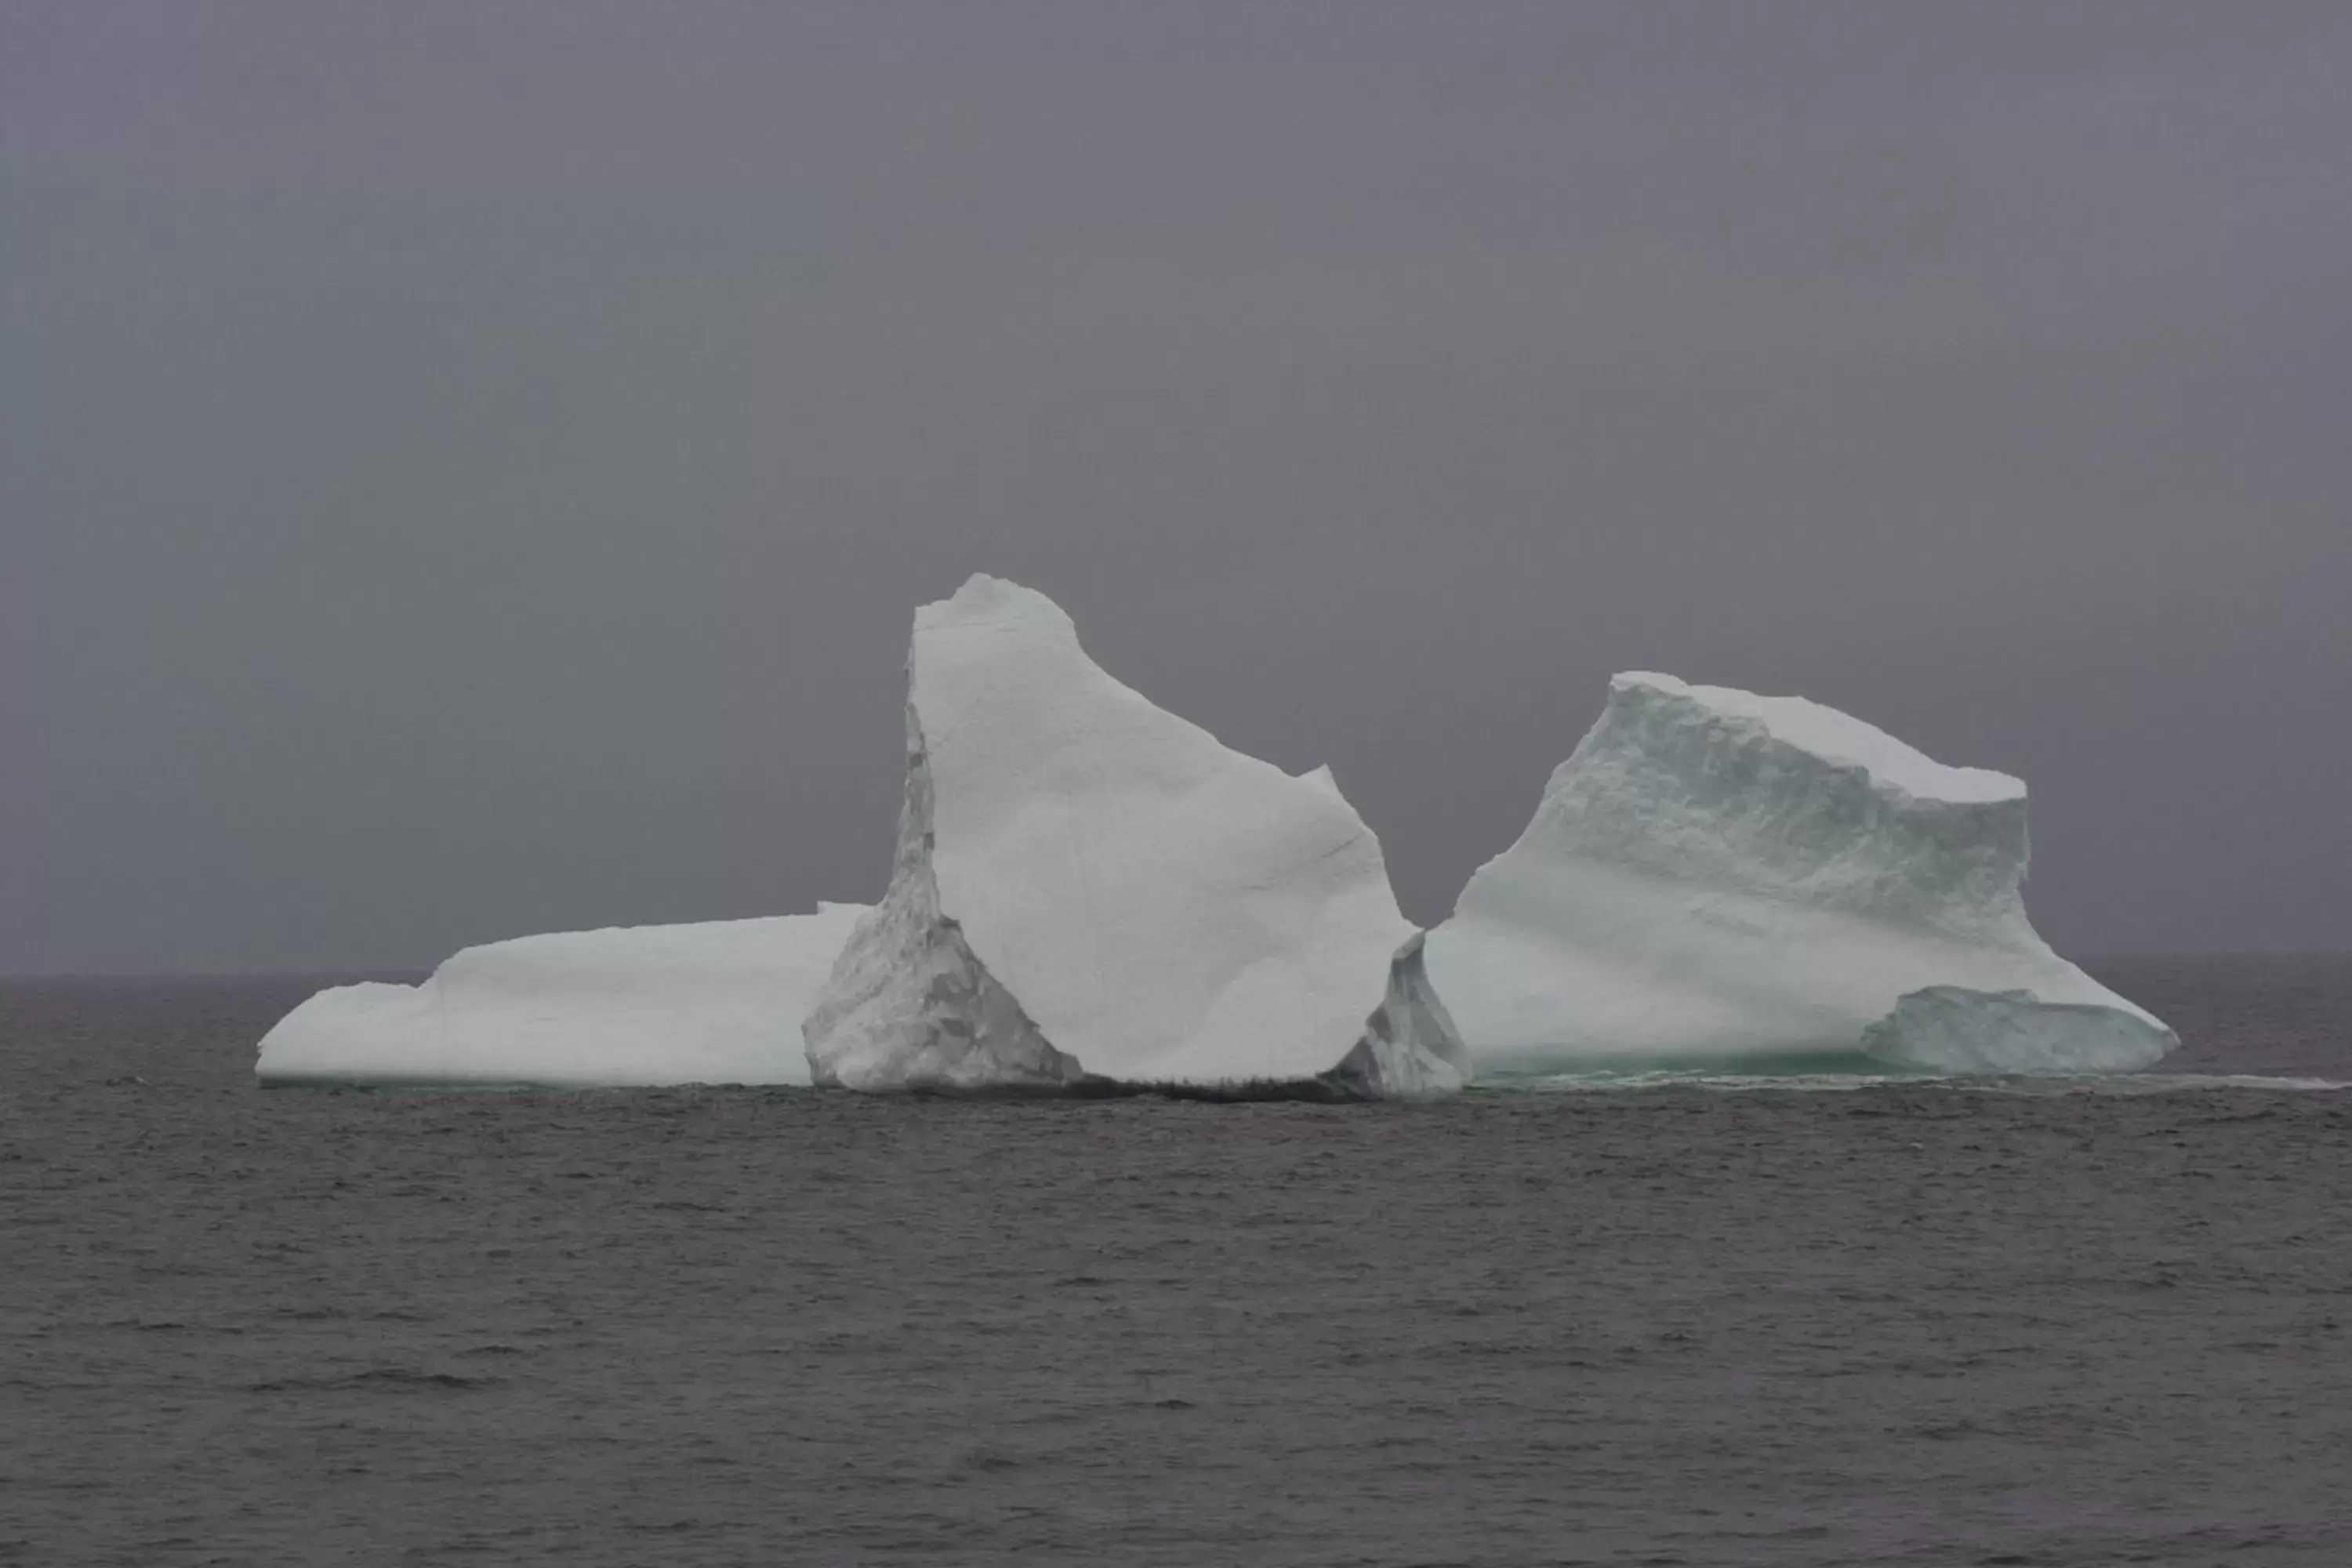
column 715, row 1003
column 1719, row 876
column 1089, row 889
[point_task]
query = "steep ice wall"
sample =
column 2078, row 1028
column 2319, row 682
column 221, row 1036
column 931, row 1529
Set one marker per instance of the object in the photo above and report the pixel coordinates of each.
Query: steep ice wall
column 1088, row 889
column 712, row 1003
column 1715, row 875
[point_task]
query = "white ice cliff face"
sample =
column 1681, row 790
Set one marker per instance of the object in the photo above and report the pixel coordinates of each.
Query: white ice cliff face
column 1089, row 891
column 1717, row 877
column 715, row 1003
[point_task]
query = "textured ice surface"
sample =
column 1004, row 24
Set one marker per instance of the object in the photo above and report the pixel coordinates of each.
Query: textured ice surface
column 1089, row 889
column 1717, row 877
column 714, row 1003
column 1949, row 1028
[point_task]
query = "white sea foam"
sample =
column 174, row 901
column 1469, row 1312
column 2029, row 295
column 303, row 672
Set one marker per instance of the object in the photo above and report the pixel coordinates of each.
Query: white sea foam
column 1731, row 1083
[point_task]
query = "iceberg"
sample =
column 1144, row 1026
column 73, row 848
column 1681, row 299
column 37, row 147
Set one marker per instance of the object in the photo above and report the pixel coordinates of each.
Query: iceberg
column 1089, row 892
column 717, row 1001
column 1952, row 1029
column 1716, row 878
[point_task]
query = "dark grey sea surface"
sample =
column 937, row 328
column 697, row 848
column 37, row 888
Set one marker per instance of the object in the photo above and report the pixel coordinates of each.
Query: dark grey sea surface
column 1674, row 1325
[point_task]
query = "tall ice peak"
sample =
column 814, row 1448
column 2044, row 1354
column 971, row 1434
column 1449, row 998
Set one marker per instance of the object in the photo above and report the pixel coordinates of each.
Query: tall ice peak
column 1089, row 889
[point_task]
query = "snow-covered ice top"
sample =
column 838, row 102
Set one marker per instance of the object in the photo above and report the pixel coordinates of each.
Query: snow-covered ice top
column 1715, row 875
column 1088, row 886
column 1835, row 737
column 1727, row 792
column 718, row 1002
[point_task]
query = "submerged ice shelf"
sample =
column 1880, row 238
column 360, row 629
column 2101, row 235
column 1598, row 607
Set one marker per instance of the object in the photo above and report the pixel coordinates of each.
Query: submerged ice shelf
column 718, row 1002
column 1952, row 1029
column 1091, row 890
column 1715, row 876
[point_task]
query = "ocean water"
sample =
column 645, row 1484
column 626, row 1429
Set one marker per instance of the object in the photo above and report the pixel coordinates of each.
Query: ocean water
column 1697, row 1322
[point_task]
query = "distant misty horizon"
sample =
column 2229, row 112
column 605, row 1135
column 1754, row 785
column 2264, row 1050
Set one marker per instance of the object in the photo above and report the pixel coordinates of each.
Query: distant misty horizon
column 467, row 473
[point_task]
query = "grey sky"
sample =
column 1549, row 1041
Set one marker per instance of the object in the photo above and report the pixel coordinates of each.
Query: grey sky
column 467, row 470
